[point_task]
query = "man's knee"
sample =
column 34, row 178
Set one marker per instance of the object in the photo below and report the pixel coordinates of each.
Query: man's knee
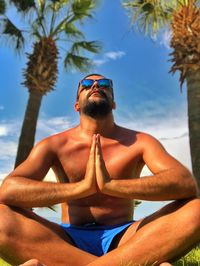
column 192, row 214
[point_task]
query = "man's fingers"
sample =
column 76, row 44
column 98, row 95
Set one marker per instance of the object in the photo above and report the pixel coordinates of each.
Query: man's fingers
column 98, row 146
column 99, row 156
column 91, row 159
column 93, row 144
column 92, row 149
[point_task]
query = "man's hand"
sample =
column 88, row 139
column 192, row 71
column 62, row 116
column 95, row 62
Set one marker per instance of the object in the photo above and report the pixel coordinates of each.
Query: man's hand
column 102, row 174
column 89, row 184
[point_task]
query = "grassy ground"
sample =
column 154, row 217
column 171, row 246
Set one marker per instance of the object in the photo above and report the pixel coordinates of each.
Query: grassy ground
column 191, row 259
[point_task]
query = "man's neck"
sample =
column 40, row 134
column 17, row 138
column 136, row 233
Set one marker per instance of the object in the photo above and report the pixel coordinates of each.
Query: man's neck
column 104, row 126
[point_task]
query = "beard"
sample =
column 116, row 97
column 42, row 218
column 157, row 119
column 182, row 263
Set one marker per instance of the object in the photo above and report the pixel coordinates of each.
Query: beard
column 97, row 109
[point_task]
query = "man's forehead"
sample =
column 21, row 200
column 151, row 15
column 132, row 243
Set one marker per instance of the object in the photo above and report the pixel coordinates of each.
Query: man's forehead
column 95, row 77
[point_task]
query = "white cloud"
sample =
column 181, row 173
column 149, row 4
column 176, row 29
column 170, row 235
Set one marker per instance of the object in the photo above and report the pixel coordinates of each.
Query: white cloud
column 9, row 131
column 115, row 55
column 108, row 56
column 100, row 62
column 8, row 149
column 8, row 128
column 51, row 125
column 171, row 131
column 165, row 38
column 3, row 131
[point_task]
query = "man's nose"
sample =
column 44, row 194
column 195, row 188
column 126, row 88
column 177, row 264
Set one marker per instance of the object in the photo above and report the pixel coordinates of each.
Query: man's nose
column 95, row 85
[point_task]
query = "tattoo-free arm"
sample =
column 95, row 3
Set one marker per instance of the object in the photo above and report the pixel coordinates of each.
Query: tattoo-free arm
column 170, row 179
column 24, row 186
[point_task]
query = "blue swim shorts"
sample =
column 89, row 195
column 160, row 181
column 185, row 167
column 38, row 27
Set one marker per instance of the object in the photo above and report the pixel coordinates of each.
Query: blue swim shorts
column 93, row 238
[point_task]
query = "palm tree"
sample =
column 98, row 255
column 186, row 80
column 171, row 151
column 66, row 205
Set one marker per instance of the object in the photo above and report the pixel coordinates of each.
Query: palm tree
column 183, row 19
column 51, row 24
column 2, row 7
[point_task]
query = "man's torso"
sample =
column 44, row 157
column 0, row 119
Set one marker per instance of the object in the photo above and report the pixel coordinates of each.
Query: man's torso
column 123, row 157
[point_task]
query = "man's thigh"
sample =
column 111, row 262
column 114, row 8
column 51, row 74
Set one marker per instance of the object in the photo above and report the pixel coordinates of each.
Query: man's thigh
column 131, row 230
column 27, row 236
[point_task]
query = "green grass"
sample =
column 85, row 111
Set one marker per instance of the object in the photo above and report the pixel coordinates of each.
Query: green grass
column 191, row 259
column 3, row 263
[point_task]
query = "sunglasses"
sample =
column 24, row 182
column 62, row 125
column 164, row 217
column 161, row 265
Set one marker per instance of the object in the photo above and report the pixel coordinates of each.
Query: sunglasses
column 102, row 83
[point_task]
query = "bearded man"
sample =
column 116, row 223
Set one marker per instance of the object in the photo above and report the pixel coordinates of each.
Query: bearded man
column 98, row 166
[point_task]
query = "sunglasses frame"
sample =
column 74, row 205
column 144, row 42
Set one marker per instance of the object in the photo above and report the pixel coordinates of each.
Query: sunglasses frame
column 94, row 80
column 85, row 88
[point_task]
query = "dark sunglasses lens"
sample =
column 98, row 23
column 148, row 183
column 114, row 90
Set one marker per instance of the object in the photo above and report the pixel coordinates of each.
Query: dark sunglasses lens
column 104, row 83
column 87, row 83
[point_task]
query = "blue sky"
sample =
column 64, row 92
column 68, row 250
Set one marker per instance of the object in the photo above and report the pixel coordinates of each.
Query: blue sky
column 148, row 97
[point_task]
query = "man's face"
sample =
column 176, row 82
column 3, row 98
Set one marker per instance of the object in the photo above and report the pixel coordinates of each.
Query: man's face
column 96, row 100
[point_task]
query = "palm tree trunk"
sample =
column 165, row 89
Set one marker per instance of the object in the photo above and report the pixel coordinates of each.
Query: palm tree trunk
column 27, row 137
column 193, row 83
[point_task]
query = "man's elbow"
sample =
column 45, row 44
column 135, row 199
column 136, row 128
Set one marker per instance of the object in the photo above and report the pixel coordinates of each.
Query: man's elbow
column 6, row 191
column 191, row 187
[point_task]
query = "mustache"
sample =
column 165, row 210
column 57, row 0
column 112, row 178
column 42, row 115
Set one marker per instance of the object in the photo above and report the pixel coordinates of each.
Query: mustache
column 101, row 92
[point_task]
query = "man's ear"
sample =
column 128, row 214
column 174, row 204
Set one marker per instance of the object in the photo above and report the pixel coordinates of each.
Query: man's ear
column 113, row 105
column 76, row 107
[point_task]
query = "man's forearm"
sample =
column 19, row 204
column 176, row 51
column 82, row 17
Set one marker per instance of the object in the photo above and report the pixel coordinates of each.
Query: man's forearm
column 26, row 193
column 168, row 185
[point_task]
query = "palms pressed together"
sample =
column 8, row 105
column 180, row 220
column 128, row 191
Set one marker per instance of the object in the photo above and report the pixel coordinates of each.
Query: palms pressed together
column 96, row 176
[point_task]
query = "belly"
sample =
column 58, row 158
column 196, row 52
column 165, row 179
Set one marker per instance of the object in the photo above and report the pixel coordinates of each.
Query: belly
column 100, row 209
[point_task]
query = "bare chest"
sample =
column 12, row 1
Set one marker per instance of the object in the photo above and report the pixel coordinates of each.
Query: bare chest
column 121, row 161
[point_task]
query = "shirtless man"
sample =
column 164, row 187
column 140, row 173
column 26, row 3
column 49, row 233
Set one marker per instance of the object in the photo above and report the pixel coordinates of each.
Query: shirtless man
column 98, row 165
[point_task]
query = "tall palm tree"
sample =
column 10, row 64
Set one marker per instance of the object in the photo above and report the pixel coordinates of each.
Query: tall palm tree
column 50, row 25
column 182, row 17
column 2, row 7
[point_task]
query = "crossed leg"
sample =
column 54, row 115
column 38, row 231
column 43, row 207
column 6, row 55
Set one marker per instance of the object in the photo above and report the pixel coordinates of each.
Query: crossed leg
column 163, row 236
column 24, row 235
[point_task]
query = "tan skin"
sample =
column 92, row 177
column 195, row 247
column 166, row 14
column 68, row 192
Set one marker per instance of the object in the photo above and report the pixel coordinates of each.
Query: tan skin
column 98, row 165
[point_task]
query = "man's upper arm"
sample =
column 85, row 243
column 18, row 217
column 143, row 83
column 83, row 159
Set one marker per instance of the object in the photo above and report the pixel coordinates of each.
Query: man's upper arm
column 156, row 157
column 37, row 164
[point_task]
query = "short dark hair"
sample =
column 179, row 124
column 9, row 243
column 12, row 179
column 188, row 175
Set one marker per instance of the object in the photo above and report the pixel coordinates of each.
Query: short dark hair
column 92, row 74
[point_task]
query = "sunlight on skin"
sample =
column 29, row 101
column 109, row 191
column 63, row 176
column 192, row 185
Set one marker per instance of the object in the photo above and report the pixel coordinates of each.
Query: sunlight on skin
column 33, row 262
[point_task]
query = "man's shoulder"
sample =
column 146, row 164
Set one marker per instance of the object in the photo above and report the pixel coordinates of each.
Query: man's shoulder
column 135, row 133
column 138, row 137
column 57, row 139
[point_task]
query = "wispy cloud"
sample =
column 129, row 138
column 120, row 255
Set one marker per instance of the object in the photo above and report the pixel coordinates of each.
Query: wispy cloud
column 2, row 107
column 52, row 125
column 171, row 130
column 165, row 39
column 100, row 62
column 8, row 128
column 9, row 133
column 8, row 149
column 108, row 56
column 3, row 131
column 115, row 55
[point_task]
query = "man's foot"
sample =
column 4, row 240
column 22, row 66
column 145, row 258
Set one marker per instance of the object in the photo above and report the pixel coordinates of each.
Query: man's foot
column 33, row 262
